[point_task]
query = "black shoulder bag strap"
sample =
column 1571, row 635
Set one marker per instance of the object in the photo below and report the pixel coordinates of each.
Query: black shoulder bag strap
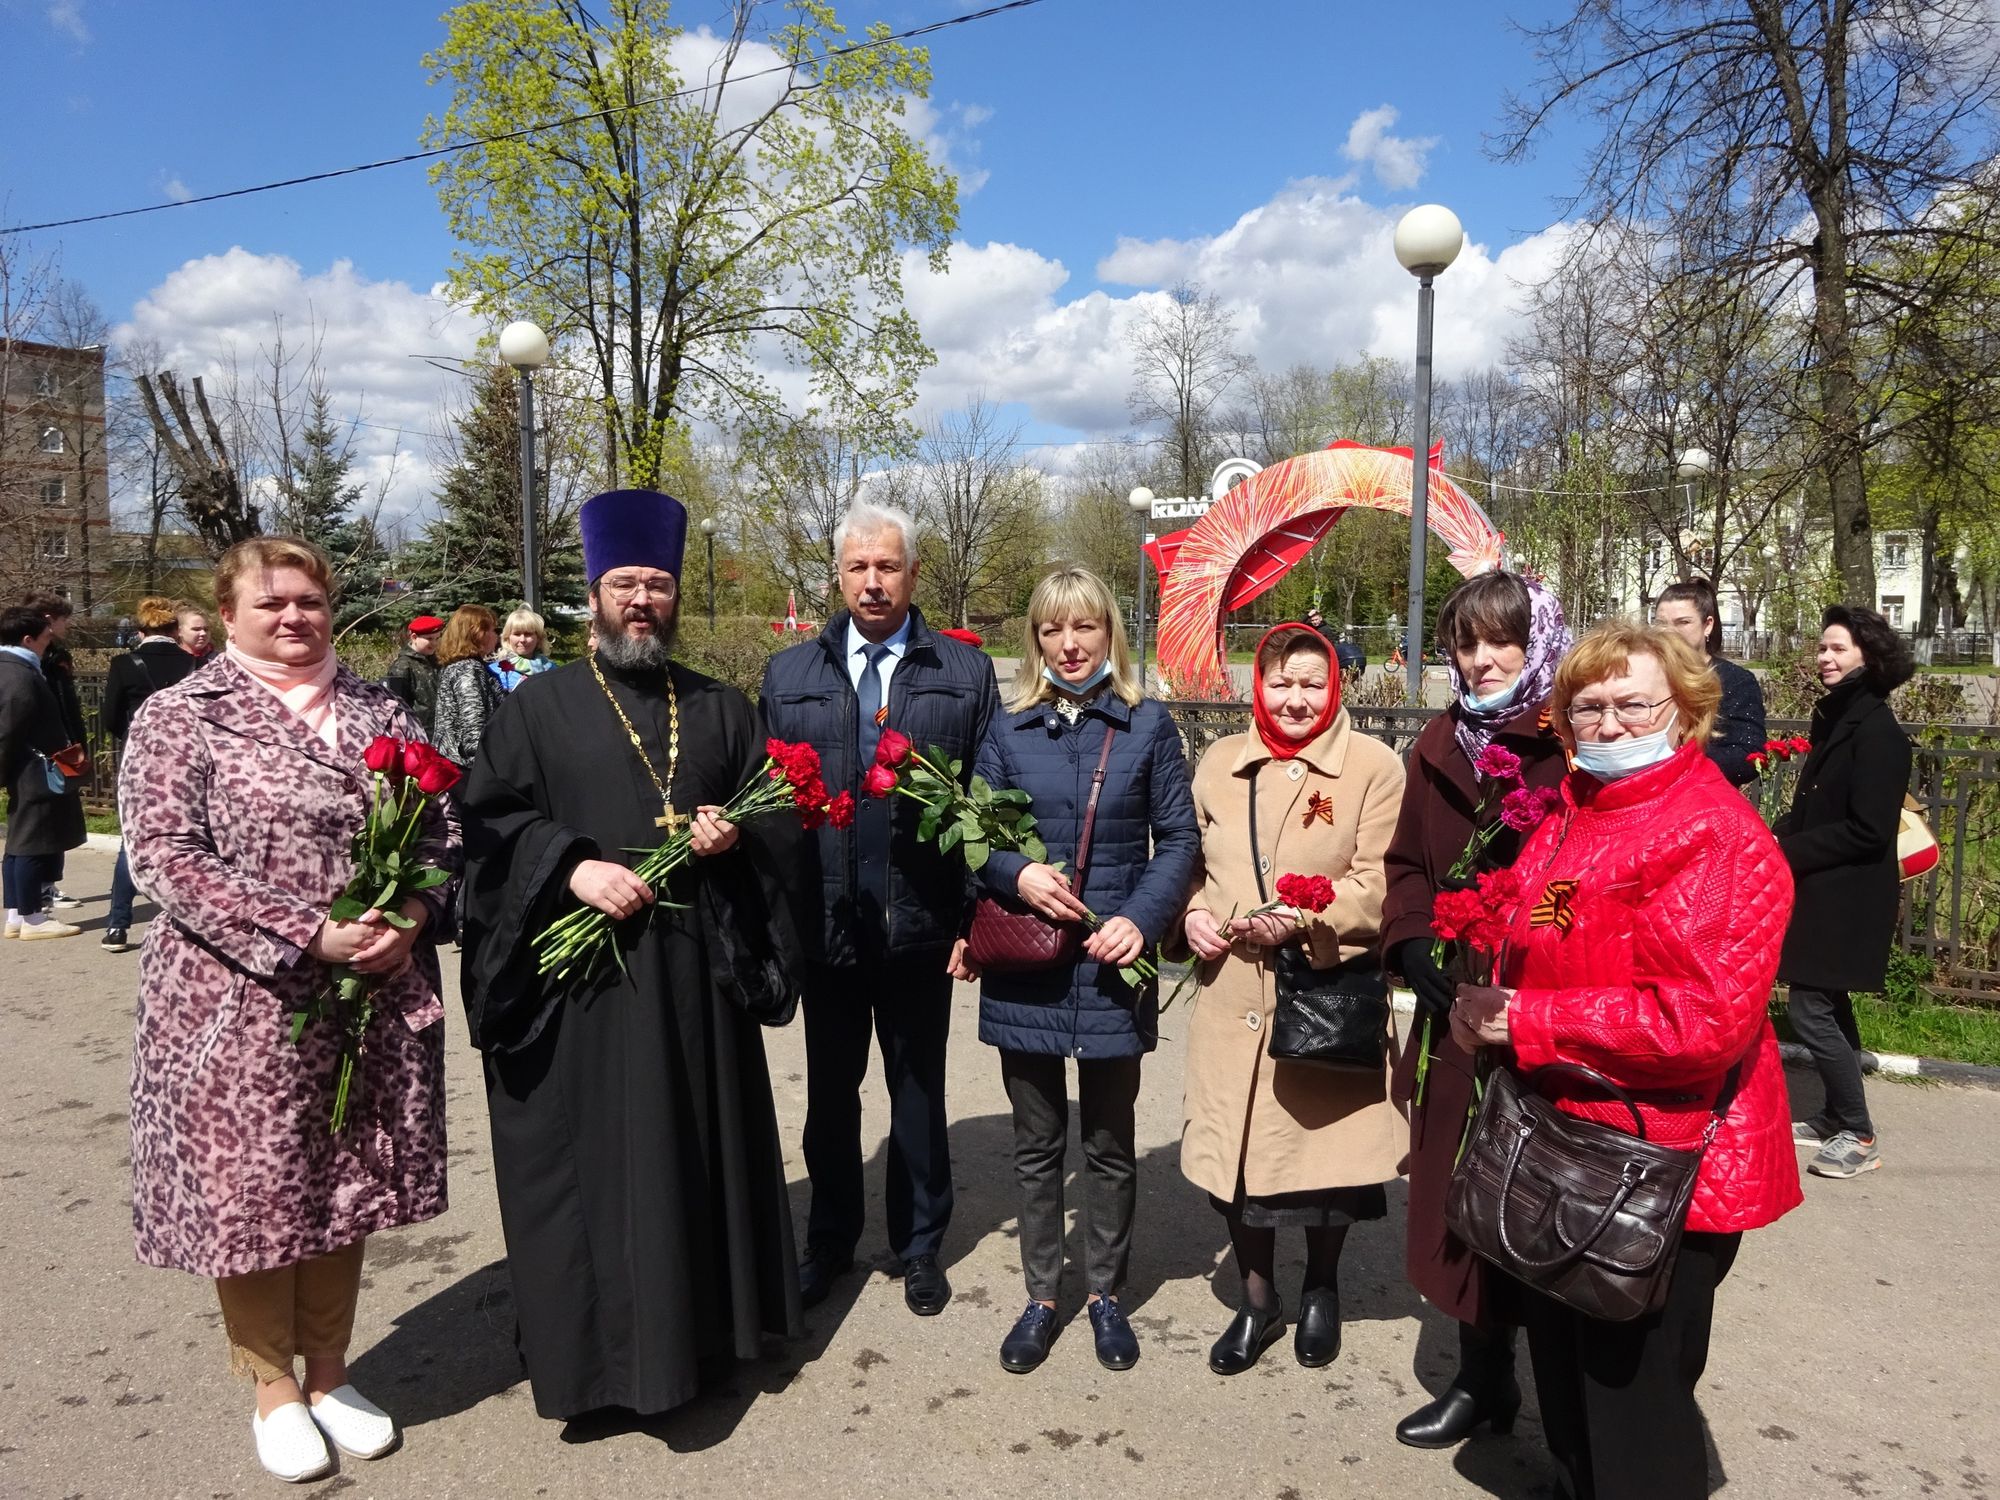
column 1256, row 855
column 1090, row 811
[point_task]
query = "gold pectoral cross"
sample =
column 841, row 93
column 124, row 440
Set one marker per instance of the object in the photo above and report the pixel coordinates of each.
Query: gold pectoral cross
column 670, row 820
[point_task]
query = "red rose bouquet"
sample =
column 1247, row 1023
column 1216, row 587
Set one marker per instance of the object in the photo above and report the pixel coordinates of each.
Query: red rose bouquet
column 408, row 778
column 974, row 820
column 790, row 778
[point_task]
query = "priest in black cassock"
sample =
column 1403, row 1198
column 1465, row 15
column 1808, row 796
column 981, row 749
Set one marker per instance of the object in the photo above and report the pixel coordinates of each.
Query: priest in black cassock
column 635, row 1146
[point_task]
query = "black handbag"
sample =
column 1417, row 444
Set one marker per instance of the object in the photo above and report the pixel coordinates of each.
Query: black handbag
column 1580, row 1212
column 1326, row 1018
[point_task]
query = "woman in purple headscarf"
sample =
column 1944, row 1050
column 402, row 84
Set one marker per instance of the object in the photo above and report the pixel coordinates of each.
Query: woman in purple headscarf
column 1502, row 636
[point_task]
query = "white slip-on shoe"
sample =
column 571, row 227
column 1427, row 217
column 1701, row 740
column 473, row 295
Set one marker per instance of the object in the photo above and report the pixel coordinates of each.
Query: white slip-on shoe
column 357, row 1426
column 47, row 928
column 289, row 1445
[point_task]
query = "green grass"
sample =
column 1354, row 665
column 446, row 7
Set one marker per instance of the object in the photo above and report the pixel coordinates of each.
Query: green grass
column 104, row 822
column 1956, row 1033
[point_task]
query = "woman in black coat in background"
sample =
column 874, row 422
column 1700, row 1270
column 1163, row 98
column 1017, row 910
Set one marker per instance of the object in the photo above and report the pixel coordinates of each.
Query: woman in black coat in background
column 1840, row 837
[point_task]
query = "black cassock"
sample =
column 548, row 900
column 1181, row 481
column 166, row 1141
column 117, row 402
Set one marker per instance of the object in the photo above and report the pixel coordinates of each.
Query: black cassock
column 635, row 1145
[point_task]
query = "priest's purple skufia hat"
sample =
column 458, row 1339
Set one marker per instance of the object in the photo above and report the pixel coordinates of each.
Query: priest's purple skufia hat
column 632, row 529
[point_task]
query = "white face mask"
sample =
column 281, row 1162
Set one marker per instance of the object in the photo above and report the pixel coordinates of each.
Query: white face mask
column 1616, row 758
column 1079, row 688
column 1493, row 701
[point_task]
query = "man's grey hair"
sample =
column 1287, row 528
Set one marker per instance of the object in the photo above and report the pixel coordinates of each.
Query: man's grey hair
column 866, row 518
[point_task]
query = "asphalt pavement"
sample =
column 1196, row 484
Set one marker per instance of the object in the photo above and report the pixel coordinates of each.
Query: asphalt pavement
column 1854, row 1350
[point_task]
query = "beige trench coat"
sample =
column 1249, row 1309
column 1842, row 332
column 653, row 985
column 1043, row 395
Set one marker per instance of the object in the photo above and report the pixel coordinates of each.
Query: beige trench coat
column 1285, row 1127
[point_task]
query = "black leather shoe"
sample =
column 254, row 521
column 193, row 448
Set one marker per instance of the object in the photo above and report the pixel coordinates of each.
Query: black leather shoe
column 1316, row 1339
column 1248, row 1335
column 113, row 940
column 1117, row 1344
column 925, row 1289
column 817, row 1274
column 1456, row 1415
column 1027, row 1344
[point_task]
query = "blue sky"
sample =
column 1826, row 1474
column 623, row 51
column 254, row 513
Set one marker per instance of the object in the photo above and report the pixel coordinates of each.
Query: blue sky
column 1114, row 144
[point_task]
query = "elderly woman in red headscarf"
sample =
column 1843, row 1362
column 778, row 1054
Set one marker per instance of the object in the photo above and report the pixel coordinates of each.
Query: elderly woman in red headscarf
column 1277, row 1143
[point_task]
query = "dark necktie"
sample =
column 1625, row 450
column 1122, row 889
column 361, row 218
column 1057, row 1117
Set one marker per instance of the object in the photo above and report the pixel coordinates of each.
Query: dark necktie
column 869, row 695
column 872, row 818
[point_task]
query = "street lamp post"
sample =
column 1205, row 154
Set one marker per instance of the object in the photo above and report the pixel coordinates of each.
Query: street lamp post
column 1141, row 502
column 1428, row 239
column 708, row 532
column 524, row 346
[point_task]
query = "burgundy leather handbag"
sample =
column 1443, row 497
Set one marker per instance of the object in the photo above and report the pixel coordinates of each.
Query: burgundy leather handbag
column 1008, row 936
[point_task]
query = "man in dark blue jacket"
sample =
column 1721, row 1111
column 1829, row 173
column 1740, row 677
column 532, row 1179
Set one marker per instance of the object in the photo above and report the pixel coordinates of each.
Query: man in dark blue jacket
column 891, row 904
column 1689, row 610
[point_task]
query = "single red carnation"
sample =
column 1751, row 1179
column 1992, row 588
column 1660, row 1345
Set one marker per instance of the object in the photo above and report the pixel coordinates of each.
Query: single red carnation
column 970, row 637
column 1454, row 913
column 1306, row 892
column 840, row 811
column 1801, row 745
column 1498, row 763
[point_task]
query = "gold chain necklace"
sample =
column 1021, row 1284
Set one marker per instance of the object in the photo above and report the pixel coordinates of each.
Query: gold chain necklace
column 668, row 819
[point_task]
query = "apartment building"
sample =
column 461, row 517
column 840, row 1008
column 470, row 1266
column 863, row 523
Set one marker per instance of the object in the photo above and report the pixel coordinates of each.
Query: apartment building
column 55, row 500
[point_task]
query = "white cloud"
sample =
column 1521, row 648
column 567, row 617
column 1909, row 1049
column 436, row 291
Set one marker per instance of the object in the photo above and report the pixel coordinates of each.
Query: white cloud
column 221, row 307
column 1397, row 161
column 177, row 190
column 66, row 16
column 1310, row 277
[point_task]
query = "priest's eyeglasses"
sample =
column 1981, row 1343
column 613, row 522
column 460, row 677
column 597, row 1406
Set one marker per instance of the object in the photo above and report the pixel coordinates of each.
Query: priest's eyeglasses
column 632, row 588
column 1633, row 715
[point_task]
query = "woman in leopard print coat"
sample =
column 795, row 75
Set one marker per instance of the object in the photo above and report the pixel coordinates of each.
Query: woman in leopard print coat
column 240, row 791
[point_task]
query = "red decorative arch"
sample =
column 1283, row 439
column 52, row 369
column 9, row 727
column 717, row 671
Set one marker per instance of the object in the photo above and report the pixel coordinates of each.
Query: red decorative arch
column 1253, row 535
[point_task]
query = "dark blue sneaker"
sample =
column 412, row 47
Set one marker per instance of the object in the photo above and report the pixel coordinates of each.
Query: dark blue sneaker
column 1117, row 1345
column 1028, row 1344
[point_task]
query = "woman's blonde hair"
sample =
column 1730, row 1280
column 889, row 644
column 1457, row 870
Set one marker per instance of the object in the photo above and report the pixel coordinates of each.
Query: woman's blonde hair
column 1607, row 648
column 1071, row 593
column 526, row 619
column 464, row 634
column 155, row 614
column 265, row 554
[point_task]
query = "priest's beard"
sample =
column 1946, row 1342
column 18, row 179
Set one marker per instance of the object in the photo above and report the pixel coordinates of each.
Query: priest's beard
column 626, row 653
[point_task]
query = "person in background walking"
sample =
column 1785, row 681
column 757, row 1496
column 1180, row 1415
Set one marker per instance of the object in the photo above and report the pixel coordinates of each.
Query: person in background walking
column 467, row 690
column 1285, row 1144
column 523, row 649
column 1142, row 855
column 241, row 788
column 44, row 811
column 1642, row 948
column 156, row 662
column 1502, row 637
column 1688, row 610
column 191, row 630
column 891, row 904
column 59, row 667
column 413, row 674
column 1840, row 838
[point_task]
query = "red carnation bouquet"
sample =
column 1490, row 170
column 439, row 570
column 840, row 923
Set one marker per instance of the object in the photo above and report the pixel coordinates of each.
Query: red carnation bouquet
column 789, row 778
column 1299, row 893
column 1506, row 801
column 974, row 820
column 408, row 778
column 1777, row 752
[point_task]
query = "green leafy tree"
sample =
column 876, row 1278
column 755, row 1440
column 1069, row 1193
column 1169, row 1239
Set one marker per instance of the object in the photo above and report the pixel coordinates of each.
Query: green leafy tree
column 679, row 218
column 472, row 550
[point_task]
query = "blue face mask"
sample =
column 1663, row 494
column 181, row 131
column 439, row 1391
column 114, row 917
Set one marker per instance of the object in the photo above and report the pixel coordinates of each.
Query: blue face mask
column 1492, row 702
column 1078, row 689
column 1617, row 758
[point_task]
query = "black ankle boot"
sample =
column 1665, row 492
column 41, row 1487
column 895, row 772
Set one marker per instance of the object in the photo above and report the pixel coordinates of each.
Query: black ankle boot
column 1483, row 1391
column 1316, row 1339
column 1248, row 1335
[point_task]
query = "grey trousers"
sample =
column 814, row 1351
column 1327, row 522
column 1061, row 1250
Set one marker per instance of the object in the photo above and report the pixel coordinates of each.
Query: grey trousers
column 1107, row 1090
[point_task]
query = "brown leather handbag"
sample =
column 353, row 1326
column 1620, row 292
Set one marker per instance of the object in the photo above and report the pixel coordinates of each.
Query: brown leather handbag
column 1577, row 1211
column 1008, row 936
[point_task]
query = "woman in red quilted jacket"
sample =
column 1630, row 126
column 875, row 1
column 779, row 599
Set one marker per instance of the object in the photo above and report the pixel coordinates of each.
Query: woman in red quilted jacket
column 1653, row 908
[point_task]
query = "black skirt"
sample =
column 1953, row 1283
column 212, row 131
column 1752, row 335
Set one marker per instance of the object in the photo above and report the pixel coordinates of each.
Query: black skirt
column 1319, row 1208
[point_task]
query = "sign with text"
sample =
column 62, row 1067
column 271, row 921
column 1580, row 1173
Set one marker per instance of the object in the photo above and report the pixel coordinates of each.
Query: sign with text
column 1181, row 509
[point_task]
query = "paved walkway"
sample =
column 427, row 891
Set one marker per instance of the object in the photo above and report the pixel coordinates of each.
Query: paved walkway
column 1854, row 1345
